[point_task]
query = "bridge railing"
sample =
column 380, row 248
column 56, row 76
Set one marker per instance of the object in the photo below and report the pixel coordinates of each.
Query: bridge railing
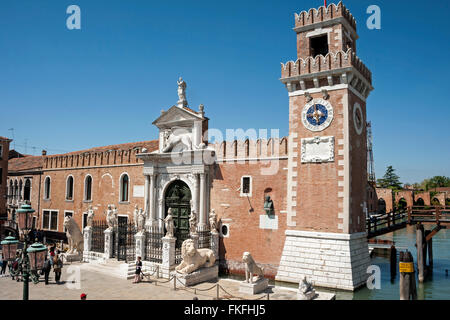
column 436, row 214
column 387, row 220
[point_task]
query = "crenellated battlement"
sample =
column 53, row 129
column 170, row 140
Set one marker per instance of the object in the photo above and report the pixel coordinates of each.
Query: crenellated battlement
column 324, row 14
column 251, row 149
column 105, row 156
column 332, row 61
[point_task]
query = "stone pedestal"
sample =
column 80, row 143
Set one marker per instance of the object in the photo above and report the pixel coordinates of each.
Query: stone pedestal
column 215, row 243
column 196, row 277
column 168, row 256
column 140, row 244
column 109, row 245
column 73, row 257
column 87, row 234
column 311, row 295
column 255, row 287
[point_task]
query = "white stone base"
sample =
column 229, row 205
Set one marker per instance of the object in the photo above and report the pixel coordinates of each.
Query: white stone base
column 199, row 276
column 255, row 287
column 330, row 260
column 73, row 257
column 91, row 256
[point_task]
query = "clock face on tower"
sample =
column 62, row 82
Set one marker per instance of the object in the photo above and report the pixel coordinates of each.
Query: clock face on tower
column 317, row 115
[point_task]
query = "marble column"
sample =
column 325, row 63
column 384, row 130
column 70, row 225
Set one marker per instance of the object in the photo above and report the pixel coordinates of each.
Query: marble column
column 152, row 201
column 201, row 220
column 196, row 193
column 146, row 196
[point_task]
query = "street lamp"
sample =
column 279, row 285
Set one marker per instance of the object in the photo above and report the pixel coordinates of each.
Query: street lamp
column 9, row 248
column 32, row 258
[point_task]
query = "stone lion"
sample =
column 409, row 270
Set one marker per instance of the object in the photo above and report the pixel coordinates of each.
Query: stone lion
column 251, row 268
column 194, row 259
column 173, row 138
column 74, row 236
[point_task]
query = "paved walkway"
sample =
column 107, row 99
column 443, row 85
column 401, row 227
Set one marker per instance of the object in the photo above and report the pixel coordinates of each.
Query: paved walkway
column 99, row 286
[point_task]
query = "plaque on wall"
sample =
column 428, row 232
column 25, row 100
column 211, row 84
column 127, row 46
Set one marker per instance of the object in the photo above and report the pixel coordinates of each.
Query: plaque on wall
column 138, row 191
column 318, row 149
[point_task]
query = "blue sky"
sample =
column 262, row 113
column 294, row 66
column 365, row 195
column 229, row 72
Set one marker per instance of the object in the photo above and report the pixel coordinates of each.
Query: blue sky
column 67, row 90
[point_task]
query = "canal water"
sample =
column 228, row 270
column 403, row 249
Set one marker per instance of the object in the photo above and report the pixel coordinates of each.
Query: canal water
column 436, row 287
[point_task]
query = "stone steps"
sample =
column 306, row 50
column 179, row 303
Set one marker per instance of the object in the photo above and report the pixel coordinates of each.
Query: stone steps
column 112, row 268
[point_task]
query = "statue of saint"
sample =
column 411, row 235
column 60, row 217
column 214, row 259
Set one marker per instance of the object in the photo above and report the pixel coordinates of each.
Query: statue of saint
column 110, row 220
column 135, row 215
column 193, row 223
column 181, row 90
column 140, row 225
column 213, row 221
column 168, row 221
column 90, row 216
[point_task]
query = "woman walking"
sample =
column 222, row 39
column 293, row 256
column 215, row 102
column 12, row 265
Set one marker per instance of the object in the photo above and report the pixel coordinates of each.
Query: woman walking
column 57, row 267
column 137, row 274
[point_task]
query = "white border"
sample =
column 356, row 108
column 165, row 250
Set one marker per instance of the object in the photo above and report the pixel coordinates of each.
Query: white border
column 242, row 194
column 85, row 190
column 45, row 188
column 50, row 219
column 73, row 187
column 120, row 188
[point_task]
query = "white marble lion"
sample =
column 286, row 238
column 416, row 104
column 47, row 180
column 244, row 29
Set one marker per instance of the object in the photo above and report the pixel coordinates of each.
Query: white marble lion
column 251, row 268
column 194, row 259
column 74, row 236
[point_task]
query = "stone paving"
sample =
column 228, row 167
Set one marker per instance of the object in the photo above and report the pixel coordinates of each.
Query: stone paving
column 100, row 286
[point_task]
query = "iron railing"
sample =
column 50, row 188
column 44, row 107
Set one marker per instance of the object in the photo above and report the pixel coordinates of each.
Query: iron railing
column 204, row 239
column 126, row 243
column 98, row 236
column 153, row 246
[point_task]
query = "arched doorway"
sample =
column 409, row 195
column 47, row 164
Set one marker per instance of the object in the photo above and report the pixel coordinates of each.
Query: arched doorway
column 420, row 202
column 447, row 202
column 178, row 197
column 435, row 202
column 402, row 204
column 381, row 206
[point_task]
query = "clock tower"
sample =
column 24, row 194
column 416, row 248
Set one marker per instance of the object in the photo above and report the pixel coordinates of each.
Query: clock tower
column 328, row 86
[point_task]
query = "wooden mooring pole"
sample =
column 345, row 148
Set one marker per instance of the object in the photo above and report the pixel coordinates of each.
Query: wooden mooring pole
column 408, row 290
column 420, row 237
column 393, row 259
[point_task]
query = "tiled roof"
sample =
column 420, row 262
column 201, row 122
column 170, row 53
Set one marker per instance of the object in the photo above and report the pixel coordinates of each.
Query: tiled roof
column 25, row 163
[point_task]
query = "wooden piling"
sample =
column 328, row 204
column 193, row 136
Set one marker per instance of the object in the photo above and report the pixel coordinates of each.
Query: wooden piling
column 393, row 260
column 408, row 290
column 430, row 252
column 420, row 252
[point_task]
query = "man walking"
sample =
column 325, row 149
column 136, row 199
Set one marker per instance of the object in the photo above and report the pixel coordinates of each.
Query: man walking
column 47, row 268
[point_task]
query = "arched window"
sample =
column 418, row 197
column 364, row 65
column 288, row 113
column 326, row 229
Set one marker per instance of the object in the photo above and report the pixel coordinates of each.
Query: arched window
column 47, row 188
column 381, row 206
column 420, row 202
column 11, row 191
column 88, row 188
column 69, row 188
column 435, row 202
column 20, row 190
column 27, row 190
column 124, row 187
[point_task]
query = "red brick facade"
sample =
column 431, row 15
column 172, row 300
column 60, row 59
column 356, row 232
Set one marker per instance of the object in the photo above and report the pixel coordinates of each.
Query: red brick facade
column 4, row 151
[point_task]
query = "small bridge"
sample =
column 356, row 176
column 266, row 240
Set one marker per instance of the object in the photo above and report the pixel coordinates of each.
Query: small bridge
column 388, row 222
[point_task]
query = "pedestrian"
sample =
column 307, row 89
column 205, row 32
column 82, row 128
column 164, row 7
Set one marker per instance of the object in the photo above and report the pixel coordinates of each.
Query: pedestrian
column 57, row 267
column 4, row 266
column 83, row 296
column 137, row 274
column 52, row 254
column 47, row 268
column 15, row 268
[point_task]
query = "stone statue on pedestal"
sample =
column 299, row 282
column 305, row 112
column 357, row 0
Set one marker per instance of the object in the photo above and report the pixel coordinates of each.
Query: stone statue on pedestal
column 140, row 226
column 168, row 221
column 182, row 92
column 111, row 217
column 193, row 223
column 306, row 290
column 135, row 215
column 213, row 225
column 90, row 216
column 251, row 268
column 74, row 236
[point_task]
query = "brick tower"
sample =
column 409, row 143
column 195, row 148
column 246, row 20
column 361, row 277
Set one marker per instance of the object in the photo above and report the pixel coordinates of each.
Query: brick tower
column 327, row 178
